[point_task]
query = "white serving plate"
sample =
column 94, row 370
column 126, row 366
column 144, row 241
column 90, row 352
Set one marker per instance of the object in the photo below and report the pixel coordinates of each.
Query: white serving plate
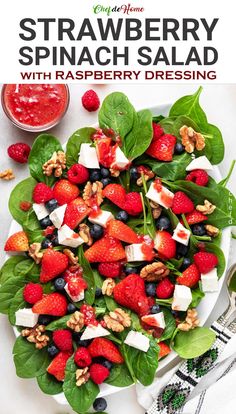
column 204, row 309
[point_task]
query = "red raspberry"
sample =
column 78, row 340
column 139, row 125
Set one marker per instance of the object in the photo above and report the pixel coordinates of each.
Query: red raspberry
column 89, row 315
column 25, row 205
column 42, row 193
column 78, row 174
column 165, row 289
column 98, row 373
column 63, row 339
column 48, row 230
column 90, row 101
column 32, row 293
column 182, row 203
column 110, row 269
column 133, row 204
column 82, row 357
column 157, row 131
column 19, row 152
column 199, row 177
column 205, row 261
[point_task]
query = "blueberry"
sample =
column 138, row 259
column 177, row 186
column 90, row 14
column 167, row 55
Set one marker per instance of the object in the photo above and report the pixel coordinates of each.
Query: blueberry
column 71, row 308
column 79, row 342
column 55, row 240
column 95, row 175
column 104, row 362
column 199, row 229
column 151, row 289
column 129, row 270
column 96, row 231
column 98, row 292
column 163, row 223
column 46, row 243
column 179, row 148
column 106, row 181
column 52, row 350
column 122, row 216
column 186, row 263
column 44, row 319
column 181, row 250
column 59, row 283
column 45, row 222
column 100, row 404
column 105, row 173
column 51, row 205
column 155, row 309
column 134, row 175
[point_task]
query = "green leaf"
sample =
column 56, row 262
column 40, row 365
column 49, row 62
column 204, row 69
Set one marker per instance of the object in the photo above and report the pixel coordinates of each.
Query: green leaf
column 110, row 303
column 170, row 325
column 8, row 291
column 157, row 118
column 193, row 343
column 73, row 145
column 59, row 323
column 232, row 285
column 140, row 136
column 34, row 236
column 29, row 361
column 224, row 182
column 43, row 148
column 88, row 275
column 23, row 192
column 215, row 139
column 197, row 296
column 16, row 303
column 28, row 268
column 8, row 269
column 213, row 248
column 119, row 376
column 49, row 385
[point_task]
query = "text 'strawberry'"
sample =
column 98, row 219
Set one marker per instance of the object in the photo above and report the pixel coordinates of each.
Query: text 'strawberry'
column 98, row 373
column 78, row 174
column 32, row 293
column 133, row 204
column 90, row 101
column 19, row 152
column 82, row 357
column 199, row 177
column 42, row 193
column 25, row 205
column 63, row 339
column 165, row 289
column 205, row 261
column 157, row 131
column 110, row 269
column 89, row 315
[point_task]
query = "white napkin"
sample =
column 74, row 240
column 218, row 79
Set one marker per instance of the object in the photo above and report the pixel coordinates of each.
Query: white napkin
column 213, row 395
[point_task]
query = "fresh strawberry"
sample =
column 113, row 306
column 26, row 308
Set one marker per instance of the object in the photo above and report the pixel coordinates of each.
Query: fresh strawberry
column 157, row 131
column 42, row 193
column 78, row 174
column 130, row 292
column 164, row 350
column 195, row 217
column 165, row 245
column 32, row 293
column 133, row 204
column 53, row 263
column 199, row 177
column 102, row 347
column 110, row 269
column 205, row 261
column 53, row 304
column 17, row 242
column 76, row 211
column 162, row 148
column 89, row 315
column 116, row 194
column 104, row 150
column 165, row 289
column 98, row 373
column 120, row 231
column 65, row 192
column 58, row 365
column 190, row 276
column 63, row 339
column 82, row 357
column 182, row 203
column 107, row 249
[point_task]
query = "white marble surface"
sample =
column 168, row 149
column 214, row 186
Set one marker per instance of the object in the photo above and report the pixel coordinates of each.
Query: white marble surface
column 219, row 101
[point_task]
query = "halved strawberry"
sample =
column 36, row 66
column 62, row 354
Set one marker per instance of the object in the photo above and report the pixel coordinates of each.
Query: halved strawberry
column 53, row 263
column 53, row 304
column 58, row 365
column 165, row 245
column 102, row 347
column 107, row 249
column 195, row 217
column 190, row 276
column 164, row 349
column 205, row 261
column 64, row 191
column 17, row 242
column 116, row 194
column 182, row 203
column 162, row 148
column 121, row 231
column 76, row 211
column 103, row 147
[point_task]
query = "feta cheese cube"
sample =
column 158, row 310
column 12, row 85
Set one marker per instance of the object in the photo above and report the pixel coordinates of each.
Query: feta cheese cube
column 102, row 218
column 94, row 332
column 134, row 253
column 57, row 216
column 77, row 298
column 164, row 197
column 40, row 210
column 121, row 161
column 182, row 298
column 88, row 156
column 137, row 340
column 210, row 281
column 157, row 320
column 181, row 234
column 68, row 237
column 26, row 317
column 201, row 163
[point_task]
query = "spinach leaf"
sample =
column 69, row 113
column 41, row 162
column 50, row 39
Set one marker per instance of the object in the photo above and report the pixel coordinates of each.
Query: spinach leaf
column 49, row 384
column 140, row 136
column 213, row 248
column 157, row 118
column 79, row 398
column 8, row 269
column 110, row 303
column 59, row 323
column 28, row 268
column 8, row 291
column 34, row 236
column 23, row 192
column 73, row 145
column 119, row 376
column 214, row 137
column 43, row 148
column 170, row 325
column 16, row 303
column 88, row 275
column 197, row 296
column 29, row 361
column 193, row 343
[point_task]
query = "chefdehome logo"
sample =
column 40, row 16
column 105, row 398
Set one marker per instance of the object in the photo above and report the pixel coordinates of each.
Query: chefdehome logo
column 123, row 9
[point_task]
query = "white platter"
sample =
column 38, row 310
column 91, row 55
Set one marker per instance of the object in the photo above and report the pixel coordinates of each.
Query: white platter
column 204, row 309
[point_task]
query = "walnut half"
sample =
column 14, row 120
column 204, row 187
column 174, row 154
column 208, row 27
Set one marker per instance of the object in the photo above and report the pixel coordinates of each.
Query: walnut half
column 207, row 208
column 35, row 252
column 36, row 336
column 108, row 286
column 76, row 321
column 82, row 376
column 55, row 165
column 155, row 271
column 117, row 320
column 191, row 139
column 190, row 322
column 7, row 175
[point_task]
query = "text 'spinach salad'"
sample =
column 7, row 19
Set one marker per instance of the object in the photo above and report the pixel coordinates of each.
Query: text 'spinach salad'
column 119, row 243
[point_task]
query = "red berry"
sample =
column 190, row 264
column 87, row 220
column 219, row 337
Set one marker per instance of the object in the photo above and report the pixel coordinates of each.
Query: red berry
column 82, row 357
column 165, row 289
column 98, row 373
column 53, row 304
column 133, row 204
column 102, row 347
column 157, row 131
column 63, row 339
column 205, row 261
column 48, row 230
column 42, row 193
column 110, row 269
column 58, row 365
column 182, row 203
column 89, row 315
column 199, row 177
column 19, row 152
column 65, row 192
column 190, row 276
column 195, row 217
column 25, row 205
column 90, row 101
column 78, row 174
column 32, row 293
column 165, row 245
column 162, row 148
column 164, row 350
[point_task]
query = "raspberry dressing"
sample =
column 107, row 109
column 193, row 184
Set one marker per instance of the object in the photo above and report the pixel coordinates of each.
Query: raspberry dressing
column 147, row 248
column 165, row 198
column 182, row 235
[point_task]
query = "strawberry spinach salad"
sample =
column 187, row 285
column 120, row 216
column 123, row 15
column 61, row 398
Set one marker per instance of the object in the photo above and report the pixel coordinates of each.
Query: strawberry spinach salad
column 120, row 241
